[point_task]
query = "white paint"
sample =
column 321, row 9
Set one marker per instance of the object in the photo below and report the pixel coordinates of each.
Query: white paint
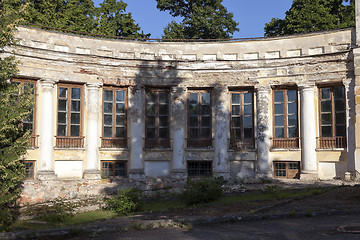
column 61, row 48
column 294, row 53
column 68, row 169
column 168, row 57
column 189, row 57
column 82, row 50
column 230, row 56
column 330, row 170
column 272, row 54
column 157, row 168
column 46, row 128
column 250, row 56
column 209, row 57
column 308, row 130
column 92, row 129
column 318, row 50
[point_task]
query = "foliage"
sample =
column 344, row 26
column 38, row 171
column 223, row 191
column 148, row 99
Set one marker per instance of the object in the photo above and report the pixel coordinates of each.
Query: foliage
column 113, row 20
column 13, row 108
column 203, row 190
column 202, row 19
column 313, row 15
column 58, row 211
column 82, row 15
column 126, row 201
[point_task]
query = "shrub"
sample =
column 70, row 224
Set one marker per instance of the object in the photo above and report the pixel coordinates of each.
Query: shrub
column 202, row 190
column 126, row 201
column 58, row 212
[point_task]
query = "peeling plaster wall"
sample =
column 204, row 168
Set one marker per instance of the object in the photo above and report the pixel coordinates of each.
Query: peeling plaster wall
column 260, row 64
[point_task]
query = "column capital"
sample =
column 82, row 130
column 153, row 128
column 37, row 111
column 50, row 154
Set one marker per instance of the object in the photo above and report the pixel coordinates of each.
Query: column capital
column 48, row 83
column 346, row 83
column 262, row 88
column 94, row 86
column 306, row 87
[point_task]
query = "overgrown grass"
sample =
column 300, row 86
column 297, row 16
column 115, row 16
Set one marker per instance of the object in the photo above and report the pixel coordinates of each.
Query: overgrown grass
column 79, row 218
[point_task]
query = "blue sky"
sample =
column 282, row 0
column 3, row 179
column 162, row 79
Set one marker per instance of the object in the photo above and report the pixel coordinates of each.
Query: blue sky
column 251, row 15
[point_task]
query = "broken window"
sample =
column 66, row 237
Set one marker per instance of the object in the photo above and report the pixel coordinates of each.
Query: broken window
column 332, row 117
column 29, row 169
column 199, row 118
column 287, row 169
column 285, row 119
column 157, row 118
column 242, row 120
column 114, row 118
column 69, row 115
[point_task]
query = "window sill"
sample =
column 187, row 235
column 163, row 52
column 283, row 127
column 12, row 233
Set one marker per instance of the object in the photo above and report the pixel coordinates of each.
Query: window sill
column 285, row 149
column 158, row 149
column 114, row 149
column 242, row 150
column 67, row 149
column 205, row 149
column 331, row 149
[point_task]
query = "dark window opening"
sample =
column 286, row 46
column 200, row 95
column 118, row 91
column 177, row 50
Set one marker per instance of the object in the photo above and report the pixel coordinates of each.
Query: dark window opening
column 113, row 169
column 199, row 168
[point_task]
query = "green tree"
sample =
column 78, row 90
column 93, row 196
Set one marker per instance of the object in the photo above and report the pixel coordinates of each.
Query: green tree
column 202, row 19
column 313, row 15
column 13, row 108
column 113, row 20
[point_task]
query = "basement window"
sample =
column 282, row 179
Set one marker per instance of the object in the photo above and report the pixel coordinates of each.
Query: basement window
column 199, row 168
column 287, row 170
column 113, row 169
column 29, row 169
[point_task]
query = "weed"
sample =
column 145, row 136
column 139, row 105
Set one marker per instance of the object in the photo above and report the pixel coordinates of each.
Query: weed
column 137, row 226
column 292, row 213
column 58, row 211
column 203, row 190
column 150, row 226
column 126, row 201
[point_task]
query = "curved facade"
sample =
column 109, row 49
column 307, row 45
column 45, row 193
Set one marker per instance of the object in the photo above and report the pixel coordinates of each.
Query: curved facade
column 281, row 107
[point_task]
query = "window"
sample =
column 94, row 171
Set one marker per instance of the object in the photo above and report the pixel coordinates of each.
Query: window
column 287, row 169
column 111, row 169
column 199, row 119
column 69, row 117
column 29, row 122
column 114, row 118
column 29, row 169
column 242, row 121
column 285, row 119
column 157, row 118
column 199, row 168
column 332, row 117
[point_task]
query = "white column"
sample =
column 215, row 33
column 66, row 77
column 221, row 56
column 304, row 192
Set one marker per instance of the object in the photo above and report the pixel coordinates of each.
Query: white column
column 309, row 169
column 92, row 132
column 137, row 129
column 222, row 121
column 178, row 128
column 46, row 161
column 263, row 131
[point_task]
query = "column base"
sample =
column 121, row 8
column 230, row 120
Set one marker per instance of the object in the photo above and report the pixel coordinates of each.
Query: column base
column 46, row 175
column 178, row 174
column 92, row 174
column 137, row 174
column 309, row 176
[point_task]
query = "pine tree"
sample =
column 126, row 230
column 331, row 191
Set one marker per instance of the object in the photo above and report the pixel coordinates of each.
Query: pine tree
column 13, row 108
column 313, row 15
column 202, row 19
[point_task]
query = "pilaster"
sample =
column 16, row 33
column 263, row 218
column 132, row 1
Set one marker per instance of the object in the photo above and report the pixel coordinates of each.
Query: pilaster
column 222, row 120
column 264, row 131
column 92, row 132
column 178, row 128
column 46, row 161
column 137, row 128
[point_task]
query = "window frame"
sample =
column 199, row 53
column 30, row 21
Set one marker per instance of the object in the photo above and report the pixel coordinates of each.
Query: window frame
column 69, row 141
column 33, row 169
column 199, row 142
column 291, row 173
column 157, row 142
column 113, row 169
column 199, row 162
column 286, row 142
column 242, row 143
column 21, row 81
column 114, row 142
column 333, row 141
